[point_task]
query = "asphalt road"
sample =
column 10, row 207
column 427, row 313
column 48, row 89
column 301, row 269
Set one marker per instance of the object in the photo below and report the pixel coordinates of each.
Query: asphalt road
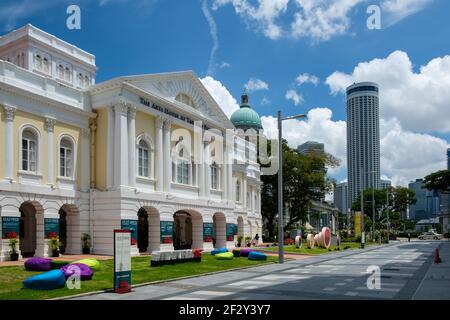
column 340, row 275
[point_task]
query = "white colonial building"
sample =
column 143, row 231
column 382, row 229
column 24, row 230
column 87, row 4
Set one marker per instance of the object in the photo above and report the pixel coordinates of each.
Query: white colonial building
column 83, row 158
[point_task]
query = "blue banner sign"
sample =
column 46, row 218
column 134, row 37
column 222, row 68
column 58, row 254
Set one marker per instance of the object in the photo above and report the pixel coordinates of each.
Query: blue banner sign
column 10, row 225
column 131, row 225
column 166, row 232
column 230, row 232
column 208, row 232
column 51, row 227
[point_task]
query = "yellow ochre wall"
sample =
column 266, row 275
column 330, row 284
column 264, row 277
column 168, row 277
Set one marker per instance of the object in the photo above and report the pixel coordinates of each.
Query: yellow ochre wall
column 22, row 118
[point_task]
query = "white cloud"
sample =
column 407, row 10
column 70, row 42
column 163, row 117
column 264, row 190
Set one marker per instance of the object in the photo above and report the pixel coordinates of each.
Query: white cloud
column 221, row 94
column 396, row 10
column 296, row 97
column 307, row 78
column 318, row 20
column 399, row 148
column 419, row 100
column 215, row 38
column 224, row 65
column 256, row 85
column 264, row 15
column 265, row 101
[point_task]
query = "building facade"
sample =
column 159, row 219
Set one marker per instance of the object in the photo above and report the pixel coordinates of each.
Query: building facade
column 144, row 153
column 363, row 138
column 311, row 146
column 385, row 184
column 427, row 205
column 341, row 198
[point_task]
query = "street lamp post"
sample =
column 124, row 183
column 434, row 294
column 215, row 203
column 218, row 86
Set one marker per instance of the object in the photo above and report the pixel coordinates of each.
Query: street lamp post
column 280, row 184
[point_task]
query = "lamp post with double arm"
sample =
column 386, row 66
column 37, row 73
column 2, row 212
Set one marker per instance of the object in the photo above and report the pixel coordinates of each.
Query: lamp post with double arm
column 280, row 184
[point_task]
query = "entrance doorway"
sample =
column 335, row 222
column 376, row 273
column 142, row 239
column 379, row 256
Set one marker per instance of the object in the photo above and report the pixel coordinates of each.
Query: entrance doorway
column 182, row 231
column 27, row 232
column 62, row 231
column 142, row 230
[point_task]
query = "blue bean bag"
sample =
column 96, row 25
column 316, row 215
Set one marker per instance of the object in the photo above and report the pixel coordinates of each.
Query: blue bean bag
column 257, row 256
column 218, row 251
column 50, row 280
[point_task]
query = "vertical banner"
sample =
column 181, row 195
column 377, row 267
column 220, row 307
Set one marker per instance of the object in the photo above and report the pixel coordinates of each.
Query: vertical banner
column 208, row 232
column 10, row 227
column 131, row 225
column 166, row 232
column 51, row 227
column 357, row 224
column 230, row 232
column 122, row 261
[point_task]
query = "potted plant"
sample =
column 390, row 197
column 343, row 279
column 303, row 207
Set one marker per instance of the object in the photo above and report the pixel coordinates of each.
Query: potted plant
column 248, row 240
column 239, row 241
column 54, row 244
column 86, row 243
column 14, row 255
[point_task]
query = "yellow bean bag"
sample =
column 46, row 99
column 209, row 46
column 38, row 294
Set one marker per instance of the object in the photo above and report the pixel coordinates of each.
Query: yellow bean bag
column 225, row 256
column 91, row 263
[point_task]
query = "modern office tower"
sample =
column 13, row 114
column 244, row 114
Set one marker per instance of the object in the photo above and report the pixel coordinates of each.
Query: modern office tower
column 448, row 159
column 311, row 146
column 427, row 205
column 385, row 184
column 363, row 138
column 340, row 197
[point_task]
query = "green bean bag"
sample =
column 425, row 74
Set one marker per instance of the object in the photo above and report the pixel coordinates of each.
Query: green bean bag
column 56, row 264
column 91, row 263
column 225, row 256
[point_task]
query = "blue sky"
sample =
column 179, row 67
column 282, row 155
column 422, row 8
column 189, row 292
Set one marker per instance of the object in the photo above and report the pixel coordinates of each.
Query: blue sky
column 230, row 42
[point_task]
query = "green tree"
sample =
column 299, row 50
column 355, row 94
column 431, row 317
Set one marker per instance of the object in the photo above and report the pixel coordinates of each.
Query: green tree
column 438, row 181
column 303, row 181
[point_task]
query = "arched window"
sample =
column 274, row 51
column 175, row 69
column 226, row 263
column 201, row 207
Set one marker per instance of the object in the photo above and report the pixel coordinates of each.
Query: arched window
column 238, row 191
column 38, row 62
column 66, row 158
column 214, row 176
column 29, row 150
column 143, row 159
column 46, row 65
column 67, row 74
column 80, row 80
column 61, row 72
column 182, row 168
column 87, row 82
column 184, row 98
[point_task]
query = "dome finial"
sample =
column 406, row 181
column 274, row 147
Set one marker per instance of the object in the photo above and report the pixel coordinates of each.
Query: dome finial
column 244, row 100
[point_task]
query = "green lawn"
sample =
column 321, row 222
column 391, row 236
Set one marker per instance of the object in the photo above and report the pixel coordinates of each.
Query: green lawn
column 11, row 277
column 316, row 251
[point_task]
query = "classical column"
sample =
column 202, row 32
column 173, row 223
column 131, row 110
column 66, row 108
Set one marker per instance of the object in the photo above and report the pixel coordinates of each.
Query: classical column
column 85, row 160
column 49, row 128
column 110, row 150
column 167, row 157
column 159, row 124
column 121, row 145
column 9, row 141
column 224, row 177
column 207, row 172
column 132, row 146
column 200, row 159
column 244, row 198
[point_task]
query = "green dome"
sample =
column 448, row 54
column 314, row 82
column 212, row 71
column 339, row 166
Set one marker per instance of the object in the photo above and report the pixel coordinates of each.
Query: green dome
column 246, row 118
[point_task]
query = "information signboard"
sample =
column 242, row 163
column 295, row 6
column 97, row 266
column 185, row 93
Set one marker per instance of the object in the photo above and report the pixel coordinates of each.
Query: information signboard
column 230, row 232
column 122, row 261
column 131, row 225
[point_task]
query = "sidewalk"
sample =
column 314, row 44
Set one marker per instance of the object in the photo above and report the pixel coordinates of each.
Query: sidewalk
column 436, row 284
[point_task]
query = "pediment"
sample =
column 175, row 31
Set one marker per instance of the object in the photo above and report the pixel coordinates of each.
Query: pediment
column 169, row 86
